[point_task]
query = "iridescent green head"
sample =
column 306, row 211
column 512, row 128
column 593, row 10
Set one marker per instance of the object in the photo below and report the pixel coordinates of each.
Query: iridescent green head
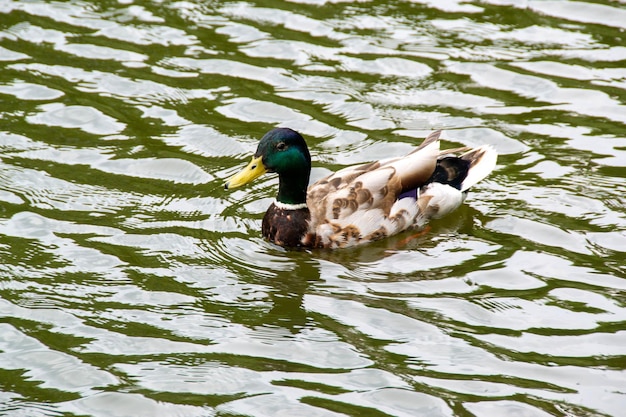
column 283, row 151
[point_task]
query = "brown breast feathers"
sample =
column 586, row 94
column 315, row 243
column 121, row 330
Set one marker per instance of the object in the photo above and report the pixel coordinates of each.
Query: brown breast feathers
column 285, row 227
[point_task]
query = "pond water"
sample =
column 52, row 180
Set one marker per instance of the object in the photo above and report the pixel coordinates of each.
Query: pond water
column 132, row 284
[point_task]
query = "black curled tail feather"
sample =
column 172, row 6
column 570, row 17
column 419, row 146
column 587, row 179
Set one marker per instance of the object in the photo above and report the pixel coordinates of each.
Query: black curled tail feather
column 466, row 170
column 450, row 170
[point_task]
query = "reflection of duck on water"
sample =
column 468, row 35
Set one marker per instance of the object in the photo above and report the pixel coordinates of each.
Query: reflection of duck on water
column 361, row 203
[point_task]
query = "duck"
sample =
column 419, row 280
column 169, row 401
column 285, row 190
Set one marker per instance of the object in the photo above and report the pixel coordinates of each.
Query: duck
column 361, row 203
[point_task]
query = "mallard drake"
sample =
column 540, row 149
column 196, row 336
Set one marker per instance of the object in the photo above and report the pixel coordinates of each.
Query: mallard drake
column 360, row 203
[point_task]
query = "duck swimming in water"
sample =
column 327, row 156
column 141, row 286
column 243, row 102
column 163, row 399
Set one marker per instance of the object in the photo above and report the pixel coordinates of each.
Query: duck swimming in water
column 361, row 203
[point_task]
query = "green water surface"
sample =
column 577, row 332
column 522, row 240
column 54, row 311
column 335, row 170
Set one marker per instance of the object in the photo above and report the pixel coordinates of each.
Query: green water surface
column 133, row 284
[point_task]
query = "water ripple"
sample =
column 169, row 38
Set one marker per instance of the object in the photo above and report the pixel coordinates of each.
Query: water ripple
column 131, row 283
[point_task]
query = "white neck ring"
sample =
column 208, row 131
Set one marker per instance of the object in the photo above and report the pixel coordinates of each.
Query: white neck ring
column 285, row 206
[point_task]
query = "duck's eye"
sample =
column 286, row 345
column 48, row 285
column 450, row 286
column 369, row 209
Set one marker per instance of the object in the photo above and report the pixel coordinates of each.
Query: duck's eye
column 281, row 146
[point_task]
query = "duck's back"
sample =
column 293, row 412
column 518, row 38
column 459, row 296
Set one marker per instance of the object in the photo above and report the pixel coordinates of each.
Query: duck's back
column 361, row 203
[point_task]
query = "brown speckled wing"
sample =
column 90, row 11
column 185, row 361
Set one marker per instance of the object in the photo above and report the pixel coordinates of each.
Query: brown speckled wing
column 370, row 189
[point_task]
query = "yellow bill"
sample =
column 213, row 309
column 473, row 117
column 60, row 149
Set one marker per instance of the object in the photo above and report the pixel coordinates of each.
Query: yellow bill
column 251, row 172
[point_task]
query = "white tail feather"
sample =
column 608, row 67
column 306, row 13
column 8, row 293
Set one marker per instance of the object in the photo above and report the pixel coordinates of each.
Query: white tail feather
column 483, row 161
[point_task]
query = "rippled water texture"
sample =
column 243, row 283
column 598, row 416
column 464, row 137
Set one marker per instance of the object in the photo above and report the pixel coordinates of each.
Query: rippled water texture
column 132, row 284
